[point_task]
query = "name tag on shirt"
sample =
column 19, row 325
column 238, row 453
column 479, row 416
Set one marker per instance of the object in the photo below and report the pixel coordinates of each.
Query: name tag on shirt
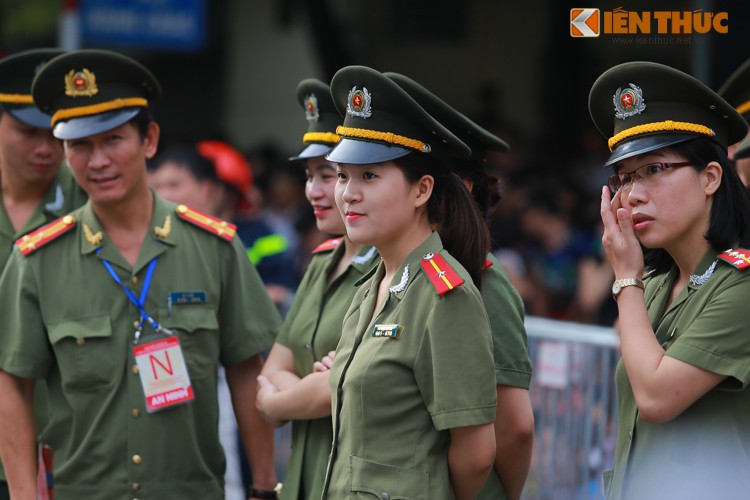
column 388, row 331
column 185, row 298
column 163, row 373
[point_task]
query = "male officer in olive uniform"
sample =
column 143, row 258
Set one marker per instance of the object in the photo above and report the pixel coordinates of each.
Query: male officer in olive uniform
column 514, row 419
column 736, row 91
column 34, row 188
column 125, row 307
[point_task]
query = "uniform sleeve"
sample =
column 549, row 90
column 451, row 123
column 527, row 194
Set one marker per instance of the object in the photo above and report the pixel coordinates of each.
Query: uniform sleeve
column 453, row 366
column 717, row 340
column 509, row 341
column 299, row 299
column 248, row 320
column 24, row 349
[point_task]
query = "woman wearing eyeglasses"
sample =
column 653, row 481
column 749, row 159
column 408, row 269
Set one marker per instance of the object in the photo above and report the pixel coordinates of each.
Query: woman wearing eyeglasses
column 676, row 219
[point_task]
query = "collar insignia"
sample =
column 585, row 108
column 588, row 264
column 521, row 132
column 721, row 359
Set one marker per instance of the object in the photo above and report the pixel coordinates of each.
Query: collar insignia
column 401, row 285
column 628, row 102
column 163, row 232
column 80, row 83
column 358, row 103
column 94, row 239
column 311, row 108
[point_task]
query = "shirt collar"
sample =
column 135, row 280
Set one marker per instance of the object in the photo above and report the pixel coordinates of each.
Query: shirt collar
column 160, row 236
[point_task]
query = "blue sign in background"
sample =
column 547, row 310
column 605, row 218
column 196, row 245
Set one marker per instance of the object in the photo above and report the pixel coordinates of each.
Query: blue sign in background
column 144, row 24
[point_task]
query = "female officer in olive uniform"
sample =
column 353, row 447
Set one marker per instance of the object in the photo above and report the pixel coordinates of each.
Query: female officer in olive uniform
column 680, row 213
column 412, row 381
column 514, row 420
column 289, row 388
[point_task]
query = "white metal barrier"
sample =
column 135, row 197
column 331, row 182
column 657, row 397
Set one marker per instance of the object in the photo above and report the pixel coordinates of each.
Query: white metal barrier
column 573, row 396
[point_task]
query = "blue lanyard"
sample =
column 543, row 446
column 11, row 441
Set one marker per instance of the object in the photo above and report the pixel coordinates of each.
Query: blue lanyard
column 138, row 302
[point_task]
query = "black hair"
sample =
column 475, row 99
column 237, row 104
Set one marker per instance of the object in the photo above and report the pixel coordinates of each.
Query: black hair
column 729, row 221
column 486, row 187
column 141, row 121
column 461, row 227
column 198, row 165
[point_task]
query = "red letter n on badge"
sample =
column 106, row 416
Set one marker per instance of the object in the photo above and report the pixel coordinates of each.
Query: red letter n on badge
column 166, row 366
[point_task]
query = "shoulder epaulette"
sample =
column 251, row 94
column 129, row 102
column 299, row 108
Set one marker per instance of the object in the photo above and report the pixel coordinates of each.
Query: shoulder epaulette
column 331, row 244
column 213, row 225
column 737, row 257
column 442, row 276
column 49, row 232
column 487, row 264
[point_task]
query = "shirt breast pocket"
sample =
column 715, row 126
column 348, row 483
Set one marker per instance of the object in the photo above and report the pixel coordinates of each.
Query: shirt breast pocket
column 85, row 352
column 198, row 330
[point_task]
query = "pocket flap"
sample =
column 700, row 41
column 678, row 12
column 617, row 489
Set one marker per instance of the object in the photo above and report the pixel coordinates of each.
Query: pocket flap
column 388, row 481
column 189, row 318
column 89, row 327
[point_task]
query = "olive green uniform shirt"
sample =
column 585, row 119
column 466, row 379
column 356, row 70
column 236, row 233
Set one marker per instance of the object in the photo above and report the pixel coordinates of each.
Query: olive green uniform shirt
column 62, row 196
column 65, row 320
column 311, row 330
column 395, row 399
column 509, row 346
column 705, row 451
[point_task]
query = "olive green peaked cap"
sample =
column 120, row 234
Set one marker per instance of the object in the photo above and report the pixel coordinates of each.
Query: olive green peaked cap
column 16, row 74
column 644, row 106
column 477, row 138
column 382, row 122
column 736, row 91
column 315, row 98
column 91, row 91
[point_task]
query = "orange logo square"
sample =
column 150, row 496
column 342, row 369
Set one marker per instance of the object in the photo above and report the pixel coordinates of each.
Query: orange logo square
column 584, row 23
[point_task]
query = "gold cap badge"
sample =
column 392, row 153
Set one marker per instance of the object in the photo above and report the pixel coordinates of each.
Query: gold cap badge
column 80, row 83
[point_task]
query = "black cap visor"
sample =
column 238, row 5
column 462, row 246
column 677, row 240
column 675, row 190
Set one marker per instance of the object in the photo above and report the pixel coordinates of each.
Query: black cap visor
column 86, row 126
column 30, row 115
column 646, row 144
column 359, row 152
column 313, row 150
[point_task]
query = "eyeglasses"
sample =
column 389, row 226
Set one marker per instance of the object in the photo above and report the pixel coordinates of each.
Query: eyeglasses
column 647, row 174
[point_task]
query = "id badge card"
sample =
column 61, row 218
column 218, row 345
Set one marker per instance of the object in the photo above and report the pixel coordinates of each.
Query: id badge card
column 163, row 373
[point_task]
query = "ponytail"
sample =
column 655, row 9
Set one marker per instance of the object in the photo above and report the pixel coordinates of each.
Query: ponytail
column 461, row 227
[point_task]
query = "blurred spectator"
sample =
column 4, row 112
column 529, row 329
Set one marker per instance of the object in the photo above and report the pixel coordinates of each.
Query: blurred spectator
column 215, row 178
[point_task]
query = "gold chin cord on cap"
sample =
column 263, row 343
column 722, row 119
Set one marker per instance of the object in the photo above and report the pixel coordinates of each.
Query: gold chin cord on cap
column 16, row 99
column 665, row 126
column 326, row 137
column 102, row 107
column 389, row 137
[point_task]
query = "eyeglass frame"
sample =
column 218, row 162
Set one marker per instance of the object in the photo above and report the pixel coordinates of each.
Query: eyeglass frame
column 632, row 176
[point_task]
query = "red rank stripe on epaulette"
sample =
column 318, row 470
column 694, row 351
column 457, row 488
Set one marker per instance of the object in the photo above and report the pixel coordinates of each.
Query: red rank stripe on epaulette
column 738, row 257
column 331, row 244
column 487, row 264
column 440, row 273
column 220, row 228
column 37, row 239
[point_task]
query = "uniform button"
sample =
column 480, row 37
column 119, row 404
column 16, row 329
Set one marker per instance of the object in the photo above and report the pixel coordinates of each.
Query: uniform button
column 630, row 434
column 135, row 413
column 80, row 341
column 134, row 280
column 135, row 487
column 134, row 369
column 385, row 496
column 136, row 325
column 137, row 459
column 308, row 346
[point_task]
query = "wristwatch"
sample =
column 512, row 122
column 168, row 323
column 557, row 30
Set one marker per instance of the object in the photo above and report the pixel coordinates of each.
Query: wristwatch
column 274, row 493
column 618, row 285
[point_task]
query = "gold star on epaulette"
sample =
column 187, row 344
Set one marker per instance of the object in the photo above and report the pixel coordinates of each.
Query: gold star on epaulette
column 95, row 239
column 163, row 232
